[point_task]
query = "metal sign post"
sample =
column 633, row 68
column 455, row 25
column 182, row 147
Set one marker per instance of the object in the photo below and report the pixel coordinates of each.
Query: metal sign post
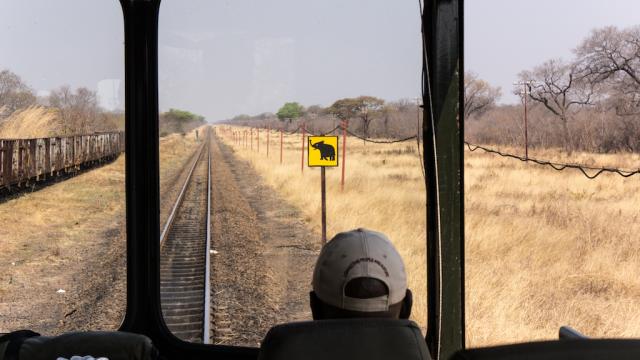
column 323, row 191
column 323, row 152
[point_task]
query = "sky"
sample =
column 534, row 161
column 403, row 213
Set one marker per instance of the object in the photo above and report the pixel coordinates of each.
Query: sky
column 221, row 58
column 250, row 57
column 505, row 37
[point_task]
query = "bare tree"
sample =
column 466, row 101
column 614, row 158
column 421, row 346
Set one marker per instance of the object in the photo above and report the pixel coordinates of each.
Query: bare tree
column 14, row 93
column 368, row 107
column 479, row 96
column 363, row 107
column 386, row 113
column 559, row 87
column 78, row 110
column 612, row 56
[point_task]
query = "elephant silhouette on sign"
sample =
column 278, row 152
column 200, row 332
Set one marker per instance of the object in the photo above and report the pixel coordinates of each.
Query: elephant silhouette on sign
column 327, row 152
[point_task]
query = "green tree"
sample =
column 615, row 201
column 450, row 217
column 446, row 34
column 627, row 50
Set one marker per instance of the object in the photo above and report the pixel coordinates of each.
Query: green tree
column 179, row 121
column 183, row 115
column 290, row 111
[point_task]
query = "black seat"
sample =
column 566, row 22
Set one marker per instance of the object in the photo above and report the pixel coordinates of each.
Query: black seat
column 352, row 339
column 582, row 349
column 114, row 345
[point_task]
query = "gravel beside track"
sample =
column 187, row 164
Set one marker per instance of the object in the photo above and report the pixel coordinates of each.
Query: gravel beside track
column 261, row 271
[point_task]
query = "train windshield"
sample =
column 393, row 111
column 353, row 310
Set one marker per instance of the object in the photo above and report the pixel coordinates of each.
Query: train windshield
column 259, row 102
column 552, row 128
column 62, row 190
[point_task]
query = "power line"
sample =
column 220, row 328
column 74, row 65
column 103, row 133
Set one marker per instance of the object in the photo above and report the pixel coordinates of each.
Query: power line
column 324, row 133
column 558, row 166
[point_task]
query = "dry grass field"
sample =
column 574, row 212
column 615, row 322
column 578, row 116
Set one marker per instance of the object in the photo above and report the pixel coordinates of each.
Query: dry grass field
column 543, row 248
column 32, row 122
column 548, row 248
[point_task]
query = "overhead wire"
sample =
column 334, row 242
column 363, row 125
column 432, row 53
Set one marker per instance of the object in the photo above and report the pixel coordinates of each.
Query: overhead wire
column 380, row 141
column 586, row 170
column 324, row 133
column 292, row 132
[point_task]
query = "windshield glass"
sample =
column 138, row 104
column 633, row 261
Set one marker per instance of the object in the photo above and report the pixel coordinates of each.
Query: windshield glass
column 62, row 181
column 269, row 79
column 551, row 98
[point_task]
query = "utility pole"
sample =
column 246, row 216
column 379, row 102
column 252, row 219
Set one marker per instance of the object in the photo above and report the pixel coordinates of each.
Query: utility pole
column 526, row 85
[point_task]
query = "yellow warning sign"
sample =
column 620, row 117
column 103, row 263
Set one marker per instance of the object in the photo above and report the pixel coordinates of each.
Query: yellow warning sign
column 323, row 151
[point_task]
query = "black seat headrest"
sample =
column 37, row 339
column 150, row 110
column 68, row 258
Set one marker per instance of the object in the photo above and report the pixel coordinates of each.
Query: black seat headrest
column 578, row 349
column 352, row 339
column 114, row 345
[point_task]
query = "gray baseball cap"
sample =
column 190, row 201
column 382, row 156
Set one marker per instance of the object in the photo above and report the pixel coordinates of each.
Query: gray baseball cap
column 356, row 254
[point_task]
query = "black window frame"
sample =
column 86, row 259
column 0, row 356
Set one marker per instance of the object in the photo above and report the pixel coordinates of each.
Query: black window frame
column 442, row 26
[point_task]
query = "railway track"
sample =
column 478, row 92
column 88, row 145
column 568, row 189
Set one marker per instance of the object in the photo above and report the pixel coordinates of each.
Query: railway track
column 184, row 255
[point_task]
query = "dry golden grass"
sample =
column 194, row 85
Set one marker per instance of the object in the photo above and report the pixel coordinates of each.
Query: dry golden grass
column 547, row 248
column 543, row 248
column 174, row 151
column 98, row 191
column 51, row 239
column 32, row 122
column 384, row 191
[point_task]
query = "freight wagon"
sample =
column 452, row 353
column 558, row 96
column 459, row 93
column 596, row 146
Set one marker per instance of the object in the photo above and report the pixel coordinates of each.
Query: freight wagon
column 24, row 161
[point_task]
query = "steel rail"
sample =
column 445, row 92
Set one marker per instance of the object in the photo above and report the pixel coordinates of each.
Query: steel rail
column 207, row 272
column 176, row 205
column 181, row 266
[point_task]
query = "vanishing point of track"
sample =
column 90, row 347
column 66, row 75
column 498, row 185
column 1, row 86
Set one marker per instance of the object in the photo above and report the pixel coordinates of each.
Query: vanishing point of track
column 184, row 255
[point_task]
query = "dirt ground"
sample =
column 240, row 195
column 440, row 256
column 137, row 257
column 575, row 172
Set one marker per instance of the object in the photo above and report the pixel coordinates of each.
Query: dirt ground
column 63, row 254
column 261, row 273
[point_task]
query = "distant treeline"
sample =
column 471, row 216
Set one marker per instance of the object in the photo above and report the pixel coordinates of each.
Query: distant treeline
column 366, row 115
column 179, row 121
column 590, row 103
column 594, row 130
column 67, row 111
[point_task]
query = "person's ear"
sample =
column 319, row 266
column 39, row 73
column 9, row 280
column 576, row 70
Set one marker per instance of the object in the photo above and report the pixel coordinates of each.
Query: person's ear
column 407, row 303
column 315, row 305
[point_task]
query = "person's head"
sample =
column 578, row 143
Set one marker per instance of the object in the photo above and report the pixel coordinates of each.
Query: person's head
column 360, row 274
